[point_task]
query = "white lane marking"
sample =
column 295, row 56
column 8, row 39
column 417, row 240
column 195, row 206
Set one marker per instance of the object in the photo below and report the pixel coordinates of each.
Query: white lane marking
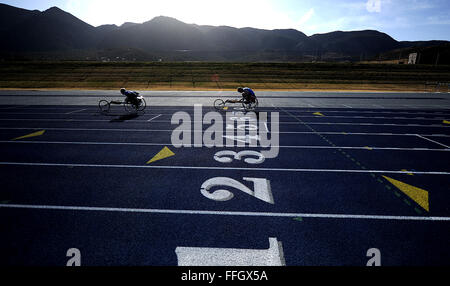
column 366, row 124
column 94, row 143
column 76, row 111
column 371, row 112
column 225, row 213
column 170, row 130
column 312, row 123
column 54, row 119
column 296, row 112
column 440, row 118
column 407, row 124
column 300, row 109
column 154, row 117
column 166, row 144
column 428, row 139
column 12, row 107
column 221, row 168
column 362, row 148
column 243, row 138
column 205, row 256
column 281, row 122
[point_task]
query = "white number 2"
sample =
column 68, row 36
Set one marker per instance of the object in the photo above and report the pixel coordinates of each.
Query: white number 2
column 261, row 189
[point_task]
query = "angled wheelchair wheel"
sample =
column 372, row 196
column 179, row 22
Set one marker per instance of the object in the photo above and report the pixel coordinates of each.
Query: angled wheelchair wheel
column 142, row 104
column 219, row 104
column 130, row 107
column 104, row 106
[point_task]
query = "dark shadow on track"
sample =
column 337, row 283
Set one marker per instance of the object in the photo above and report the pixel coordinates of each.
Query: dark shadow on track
column 120, row 117
column 125, row 117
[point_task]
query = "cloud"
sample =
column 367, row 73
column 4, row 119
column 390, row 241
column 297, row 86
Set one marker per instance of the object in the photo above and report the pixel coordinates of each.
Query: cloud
column 355, row 6
column 373, row 6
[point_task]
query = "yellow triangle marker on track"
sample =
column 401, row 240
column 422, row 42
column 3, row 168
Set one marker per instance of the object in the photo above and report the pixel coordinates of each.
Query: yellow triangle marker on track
column 418, row 195
column 164, row 153
column 318, row 114
column 38, row 133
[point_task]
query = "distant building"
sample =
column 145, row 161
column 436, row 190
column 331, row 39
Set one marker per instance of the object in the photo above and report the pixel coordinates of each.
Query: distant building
column 412, row 59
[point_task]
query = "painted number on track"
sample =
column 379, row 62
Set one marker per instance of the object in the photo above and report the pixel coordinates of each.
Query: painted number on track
column 228, row 156
column 261, row 189
column 202, row 256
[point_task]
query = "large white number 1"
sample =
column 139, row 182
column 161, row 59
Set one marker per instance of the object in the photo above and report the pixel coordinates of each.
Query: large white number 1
column 202, row 256
column 261, row 189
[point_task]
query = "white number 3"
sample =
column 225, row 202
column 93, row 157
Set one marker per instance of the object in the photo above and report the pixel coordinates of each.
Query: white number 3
column 220, row 156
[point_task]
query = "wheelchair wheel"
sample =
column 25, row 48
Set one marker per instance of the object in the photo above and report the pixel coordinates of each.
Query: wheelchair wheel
column 130, row 107
column 142, row 104
column 104, row 106
column 219, row 104
column 250, row 105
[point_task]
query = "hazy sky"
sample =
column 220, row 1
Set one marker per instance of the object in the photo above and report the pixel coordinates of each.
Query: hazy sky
column 402, row 19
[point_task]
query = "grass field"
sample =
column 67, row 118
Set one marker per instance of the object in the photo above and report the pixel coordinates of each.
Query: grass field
column 222, row 76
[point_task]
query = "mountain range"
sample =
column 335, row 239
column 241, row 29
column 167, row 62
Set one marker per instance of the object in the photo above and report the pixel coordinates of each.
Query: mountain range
column 54, row 33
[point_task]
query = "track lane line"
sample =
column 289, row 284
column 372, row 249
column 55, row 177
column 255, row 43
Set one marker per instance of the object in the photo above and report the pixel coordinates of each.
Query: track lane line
column 432, row 141
column 169, row 144
column 12, row 107
column 154, row 117
column 225, row 213
column 171, row 130
column 281, row 116
column 300, row 109
column 221, row 168
column 75, row 111
column 281, row 122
